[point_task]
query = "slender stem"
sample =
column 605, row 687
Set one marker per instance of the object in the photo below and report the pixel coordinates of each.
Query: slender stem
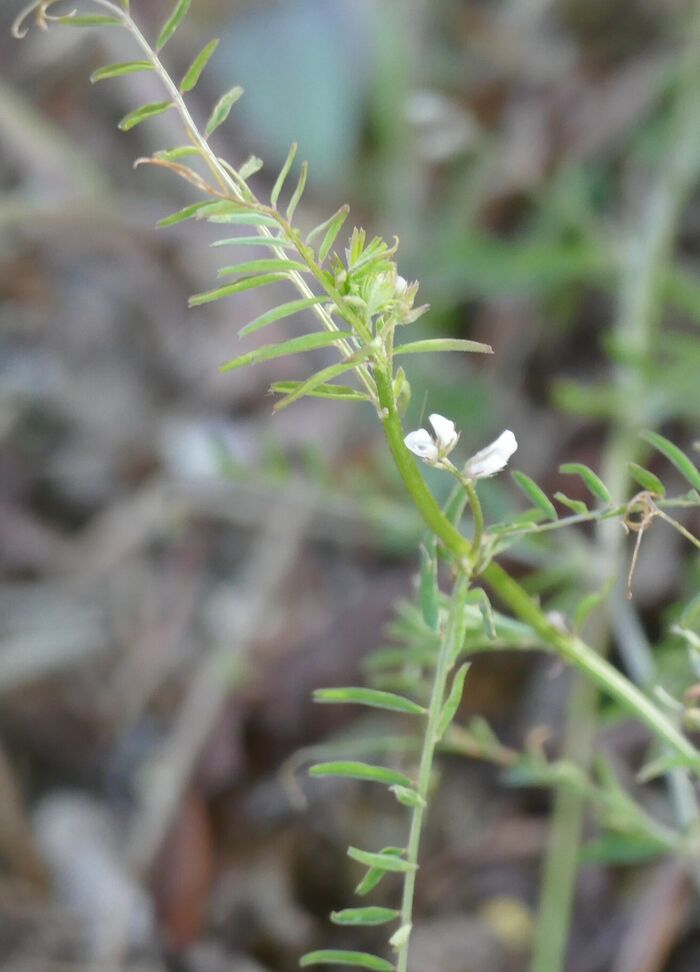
column 446, row 655
column 477, row 512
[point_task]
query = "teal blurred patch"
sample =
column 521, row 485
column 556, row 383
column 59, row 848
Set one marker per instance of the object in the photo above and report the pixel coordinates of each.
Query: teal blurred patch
column 305, row 66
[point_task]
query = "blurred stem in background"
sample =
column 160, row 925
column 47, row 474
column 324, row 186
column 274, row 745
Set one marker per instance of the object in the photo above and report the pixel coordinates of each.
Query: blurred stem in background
column 649, row 251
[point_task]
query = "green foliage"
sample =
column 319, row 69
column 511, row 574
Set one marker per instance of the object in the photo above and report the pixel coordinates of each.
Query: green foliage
column 370, row 697
column 179, row 13
column 358, row 960
column 117, row 70
column 594, row 483
column 222, row 109
column 646, row 479
column 685, row 466
column 352, row 770
column 143, row 113
column 307, row 342
column 535, row 494
column 194, row 71
column 364, row 916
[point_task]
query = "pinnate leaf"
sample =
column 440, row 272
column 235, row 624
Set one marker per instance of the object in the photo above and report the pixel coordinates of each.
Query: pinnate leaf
column 449, row 709
column 330, row 230
column 384, row 862
column 535, row 494
column 222, row 109
column 576, row 506
column 194, row 71
column 284, row 172
column 338, row 393
column 297, row 345
column 254, row 241
column 685, row 466
column 594, row 483
column 370, row 697
column 358, row 960
column 116, row 70
column 272, row 265
column 354, row 770
column 248, row 283
column 172, row 23
column 375, row 874
column 443, row 344
column 364, row 916
column 141, row 114
column 323, row 376
column 298, row 192
column 278, row 313
column 647, row 480
column 90, row 20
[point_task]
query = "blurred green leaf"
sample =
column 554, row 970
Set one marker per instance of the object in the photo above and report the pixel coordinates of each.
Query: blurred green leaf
column 116, row 70
column 367, row 772
column 576, row 506
column 442, row 344
column 330, row 228
column 384, row 862
column 594, row 483
column 297, row 345
column 194, row 71
column 222, row 109
column 298, row 191
column 364, row 916
column 370, row 697
column 172, row 23
column 358, row 960
column 536, row 494
column 272, row 241
column 271, row 265
column 339, row 393
column 375, row 874
column 324, row 376
column 284, row 172
column 279, row 313
column 647, row 480
column 248, row 283
column 90, row 20
column 141, row 114
column 685, row 466
column 407, row 797
column 449, row 709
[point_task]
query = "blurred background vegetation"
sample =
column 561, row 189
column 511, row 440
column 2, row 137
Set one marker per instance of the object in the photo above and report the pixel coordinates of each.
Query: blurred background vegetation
column 180, row 569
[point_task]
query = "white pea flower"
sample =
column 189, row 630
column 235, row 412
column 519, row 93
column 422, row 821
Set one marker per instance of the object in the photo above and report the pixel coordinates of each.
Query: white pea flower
column 400, row 285
column 489, row 461
column 433, row 449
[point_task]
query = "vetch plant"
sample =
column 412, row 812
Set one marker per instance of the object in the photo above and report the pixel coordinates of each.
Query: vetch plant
column 361, row 306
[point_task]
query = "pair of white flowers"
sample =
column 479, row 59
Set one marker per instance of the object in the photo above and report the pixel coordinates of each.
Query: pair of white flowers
column 434, row 449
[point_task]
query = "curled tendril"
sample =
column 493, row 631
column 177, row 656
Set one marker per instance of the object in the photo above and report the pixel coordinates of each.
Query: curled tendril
column 40, row 9
column 639, row 515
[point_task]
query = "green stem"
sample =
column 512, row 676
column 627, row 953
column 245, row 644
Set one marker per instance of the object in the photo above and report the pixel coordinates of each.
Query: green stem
column 448, row 652
column 477, row 512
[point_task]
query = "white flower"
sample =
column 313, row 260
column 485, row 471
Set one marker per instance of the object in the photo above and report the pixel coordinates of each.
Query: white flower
column 400, row 285
column 489, row 461
column 429, row 449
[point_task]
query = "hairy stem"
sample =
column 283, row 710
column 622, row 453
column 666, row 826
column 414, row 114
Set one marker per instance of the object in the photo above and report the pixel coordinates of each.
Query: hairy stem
column 449, row 649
